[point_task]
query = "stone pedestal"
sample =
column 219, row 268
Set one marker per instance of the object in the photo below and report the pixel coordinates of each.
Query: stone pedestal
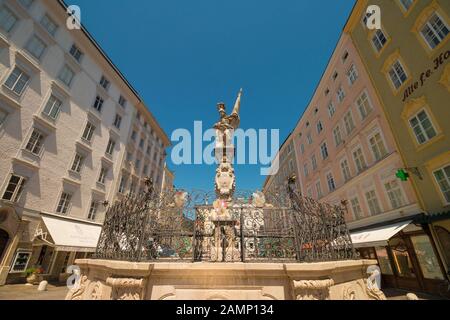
column 116, row 280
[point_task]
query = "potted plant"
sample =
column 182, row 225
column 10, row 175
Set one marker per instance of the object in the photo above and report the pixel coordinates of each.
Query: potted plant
column 34, row 275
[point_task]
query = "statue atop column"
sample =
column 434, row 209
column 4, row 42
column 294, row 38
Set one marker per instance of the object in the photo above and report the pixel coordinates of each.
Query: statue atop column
column 224, row 150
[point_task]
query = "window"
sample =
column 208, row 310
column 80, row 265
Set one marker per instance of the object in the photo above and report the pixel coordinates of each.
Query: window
column 76, row 53
column 344, row 57
column 318, row 190
column 340, row 94
column 110, row 147
column 49, row 25
column 314, row 162
column 319, row 127
column 145, row 169
column 149, row 149
column 324, row 150
column 372, row 201
column 327, row 91
column 122, row 185
column 406, row 4
column 349, row 124
column 52, row 107
column 331, row 109
column 395, row 194
column 397, row 74
column 104, row 83
column 422, row 127
column 141, row 143
column 309, row 138
column 335, row 75
column 64, row 203
column 443, row 179
column 98, row 103
column 352, row 74
column 306, row 170
column 21, row 260
column 378, row 147
column 364, row 105
column 434, row 31
column 356, row 208
column 330, row 182
column 93, row 210
column 66, row 75
column 122, row 102
column 35, row 142
column 14, row 188
column 102, row 175
column 117, row 121
column 379, row 40
column 337, row 136
column 17, row 81
column 26, row 3
column 133, row 135
column 88, row 132
column 7, row 19
column 3, row 115
column 36, row 47
column 360, row 162
column 345, row 170
column 77, row 164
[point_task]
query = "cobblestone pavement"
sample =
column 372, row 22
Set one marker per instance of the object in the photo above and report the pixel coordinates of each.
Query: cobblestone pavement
column 25, row 292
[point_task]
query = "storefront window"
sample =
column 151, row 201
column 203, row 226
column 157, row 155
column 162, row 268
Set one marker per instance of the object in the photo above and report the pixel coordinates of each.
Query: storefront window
column 401, row 257
column 426, row 257
column 368, row 253
column 383, row 261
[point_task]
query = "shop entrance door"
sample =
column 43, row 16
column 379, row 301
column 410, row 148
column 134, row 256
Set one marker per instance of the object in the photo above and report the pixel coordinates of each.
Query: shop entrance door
column 405, row 267
column 4, row 239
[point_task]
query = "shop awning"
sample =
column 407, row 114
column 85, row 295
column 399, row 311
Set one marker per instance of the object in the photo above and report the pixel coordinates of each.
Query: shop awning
column 72, row 235
column 377, row 237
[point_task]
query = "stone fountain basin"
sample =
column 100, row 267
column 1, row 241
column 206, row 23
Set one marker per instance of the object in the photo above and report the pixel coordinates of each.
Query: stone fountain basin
column 121, row 280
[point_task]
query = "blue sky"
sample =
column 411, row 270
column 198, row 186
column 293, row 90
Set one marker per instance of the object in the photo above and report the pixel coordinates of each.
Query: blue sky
column 185, row 56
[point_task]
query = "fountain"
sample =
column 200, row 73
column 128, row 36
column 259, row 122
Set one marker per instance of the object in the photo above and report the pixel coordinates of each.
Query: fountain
column 243, row 246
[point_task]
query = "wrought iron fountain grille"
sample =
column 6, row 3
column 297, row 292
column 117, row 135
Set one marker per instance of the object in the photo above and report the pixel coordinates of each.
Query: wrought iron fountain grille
column 288, row 228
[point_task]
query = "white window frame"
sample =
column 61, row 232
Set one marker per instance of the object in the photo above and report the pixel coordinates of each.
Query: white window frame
column 22, row 73
column 375, row 35
column 337, row 129
column 35, row 144
column 342, row 170
column 340, row 93
column 94, row 205
column 28, row 47
column 352, row 74
column 322, row 150
column 64, row 72
column 361, row 213
column 377, row 198
column 369, row 102
column 90, row 133
column 46, row 26
column 110, row 147
column 436, row 35
column 365, row 166
column 18, row 189
column 447, row 179
column 383, row 141
column 3, row 116
column 57, row 104
column 397, row 75
column 329, row 180
column 331, row 109
column 402, row 192
column 14, row 15
column 77, row 163
column 102, row 175
column 349, row 112
column 64, row 205
column 16, row 256
column 423, row 131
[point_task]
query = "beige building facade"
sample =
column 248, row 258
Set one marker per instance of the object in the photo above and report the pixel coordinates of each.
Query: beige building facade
column 74, row 137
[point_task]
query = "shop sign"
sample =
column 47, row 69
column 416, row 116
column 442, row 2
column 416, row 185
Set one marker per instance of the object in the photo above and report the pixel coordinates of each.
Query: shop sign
column 438, row 63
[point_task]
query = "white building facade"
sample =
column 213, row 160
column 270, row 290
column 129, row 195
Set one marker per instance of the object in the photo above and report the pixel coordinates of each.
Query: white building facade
column 74, row 137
